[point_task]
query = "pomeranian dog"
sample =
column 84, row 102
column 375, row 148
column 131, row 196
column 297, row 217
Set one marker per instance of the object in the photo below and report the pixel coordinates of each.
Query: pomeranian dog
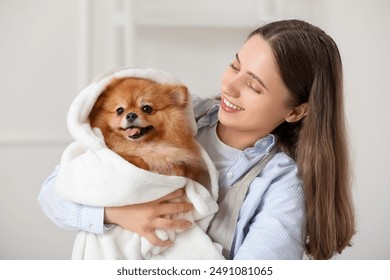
column 146, row 123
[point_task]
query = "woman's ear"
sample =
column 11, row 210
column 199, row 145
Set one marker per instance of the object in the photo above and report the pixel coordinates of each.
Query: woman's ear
column 297, row 113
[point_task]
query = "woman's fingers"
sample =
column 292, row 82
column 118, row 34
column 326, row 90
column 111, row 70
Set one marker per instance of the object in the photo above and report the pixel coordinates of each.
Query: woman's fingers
column 166, row 223
column 152, row 237
column 173, row 208
column 145, row 218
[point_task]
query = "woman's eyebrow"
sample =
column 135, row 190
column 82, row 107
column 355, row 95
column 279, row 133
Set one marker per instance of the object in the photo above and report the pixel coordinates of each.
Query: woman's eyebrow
column 252, row 75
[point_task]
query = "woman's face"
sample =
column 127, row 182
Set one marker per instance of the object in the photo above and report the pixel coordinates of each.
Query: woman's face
column 254, row 98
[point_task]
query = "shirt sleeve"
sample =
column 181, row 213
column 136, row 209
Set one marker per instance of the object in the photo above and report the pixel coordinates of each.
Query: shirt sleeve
column 66, row 214
column 278, row 230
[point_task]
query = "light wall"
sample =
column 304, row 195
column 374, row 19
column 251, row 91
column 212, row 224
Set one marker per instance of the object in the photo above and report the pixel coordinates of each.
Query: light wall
column 50, row 49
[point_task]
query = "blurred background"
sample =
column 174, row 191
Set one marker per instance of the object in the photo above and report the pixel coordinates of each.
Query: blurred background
column 50, row 50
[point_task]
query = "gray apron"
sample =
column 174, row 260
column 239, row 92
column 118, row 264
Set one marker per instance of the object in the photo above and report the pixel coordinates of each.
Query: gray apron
column 222, row 228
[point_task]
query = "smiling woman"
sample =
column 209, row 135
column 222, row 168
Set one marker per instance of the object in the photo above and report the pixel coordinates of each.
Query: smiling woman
column 257, row 99
column 286, row 81
column 277, row 138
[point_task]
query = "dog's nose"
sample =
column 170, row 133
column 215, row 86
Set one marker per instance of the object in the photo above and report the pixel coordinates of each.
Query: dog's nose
column 130, row 117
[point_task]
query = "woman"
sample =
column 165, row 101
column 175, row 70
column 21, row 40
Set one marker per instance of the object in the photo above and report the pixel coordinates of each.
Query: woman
column 277, row 136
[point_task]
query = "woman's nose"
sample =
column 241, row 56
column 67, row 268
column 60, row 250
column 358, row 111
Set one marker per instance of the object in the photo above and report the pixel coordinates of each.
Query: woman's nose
column 231, row 85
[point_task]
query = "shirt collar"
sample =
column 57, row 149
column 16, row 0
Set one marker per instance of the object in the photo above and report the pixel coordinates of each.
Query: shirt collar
column 210, row 118
column 263, row 145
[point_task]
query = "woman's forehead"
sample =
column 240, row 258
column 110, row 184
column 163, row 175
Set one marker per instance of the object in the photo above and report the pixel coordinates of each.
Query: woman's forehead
column 257, row 57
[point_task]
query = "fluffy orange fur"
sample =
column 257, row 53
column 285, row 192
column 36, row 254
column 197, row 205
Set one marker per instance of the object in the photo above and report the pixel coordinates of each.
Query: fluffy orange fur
column 146, row 123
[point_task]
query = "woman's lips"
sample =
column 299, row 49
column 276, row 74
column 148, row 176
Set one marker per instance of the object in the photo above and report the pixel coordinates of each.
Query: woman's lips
column 229, row 106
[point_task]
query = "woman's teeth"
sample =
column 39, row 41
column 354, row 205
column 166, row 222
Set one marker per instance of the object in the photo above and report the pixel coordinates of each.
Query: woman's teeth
column 231, row 105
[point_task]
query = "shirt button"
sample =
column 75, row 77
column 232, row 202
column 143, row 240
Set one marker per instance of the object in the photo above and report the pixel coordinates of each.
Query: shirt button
column 264, row 144
column 230, row 175
column 247, row 155
column 91, row 226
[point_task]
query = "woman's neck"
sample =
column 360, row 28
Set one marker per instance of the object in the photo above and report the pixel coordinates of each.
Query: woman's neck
column 236, row 139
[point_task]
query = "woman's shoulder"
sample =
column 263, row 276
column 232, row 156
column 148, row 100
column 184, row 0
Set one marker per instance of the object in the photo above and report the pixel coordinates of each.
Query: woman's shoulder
column 279, row 185
column 281, row 172
column 283, row 161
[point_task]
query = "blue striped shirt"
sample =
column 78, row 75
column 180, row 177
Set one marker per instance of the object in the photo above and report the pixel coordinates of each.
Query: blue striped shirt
column 271, row 222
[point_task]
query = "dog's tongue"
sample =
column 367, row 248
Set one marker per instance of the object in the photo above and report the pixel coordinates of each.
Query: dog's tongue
column 133, row 131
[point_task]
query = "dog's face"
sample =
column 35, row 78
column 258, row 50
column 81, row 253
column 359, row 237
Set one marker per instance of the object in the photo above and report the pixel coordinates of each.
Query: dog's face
column 133, row 109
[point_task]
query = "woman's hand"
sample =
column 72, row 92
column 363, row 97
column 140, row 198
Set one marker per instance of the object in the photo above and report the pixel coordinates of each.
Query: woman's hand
column 145, row 218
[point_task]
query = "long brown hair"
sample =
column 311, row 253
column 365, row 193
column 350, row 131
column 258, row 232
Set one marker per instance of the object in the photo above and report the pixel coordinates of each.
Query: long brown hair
column 310, row 65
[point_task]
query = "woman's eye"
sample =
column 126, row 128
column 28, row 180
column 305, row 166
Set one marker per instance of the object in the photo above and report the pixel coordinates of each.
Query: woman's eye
column 120, row 111
column 252, row 87
column 235, row 68
column 147, row 109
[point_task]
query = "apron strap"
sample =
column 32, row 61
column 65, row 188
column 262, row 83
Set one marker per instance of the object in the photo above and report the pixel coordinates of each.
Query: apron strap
column 223, row 226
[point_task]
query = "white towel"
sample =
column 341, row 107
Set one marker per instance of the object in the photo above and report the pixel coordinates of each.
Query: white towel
column 92, row 174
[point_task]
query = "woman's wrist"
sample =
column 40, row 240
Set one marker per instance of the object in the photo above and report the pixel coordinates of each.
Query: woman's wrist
column 109, row 216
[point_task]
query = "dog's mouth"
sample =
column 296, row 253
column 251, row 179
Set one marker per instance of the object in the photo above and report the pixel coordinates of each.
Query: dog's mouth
column 135, row 132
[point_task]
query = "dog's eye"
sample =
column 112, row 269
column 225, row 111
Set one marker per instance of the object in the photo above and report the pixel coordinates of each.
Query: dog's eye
column 147, row 109
column 120, row 111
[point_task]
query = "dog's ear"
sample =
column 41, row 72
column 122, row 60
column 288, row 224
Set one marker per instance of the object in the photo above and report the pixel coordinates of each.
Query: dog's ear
column 97, row 106
column 180, row 95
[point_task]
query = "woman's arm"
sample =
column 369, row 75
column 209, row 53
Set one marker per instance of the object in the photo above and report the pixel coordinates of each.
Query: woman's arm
column 141, row 218
column 66, row 214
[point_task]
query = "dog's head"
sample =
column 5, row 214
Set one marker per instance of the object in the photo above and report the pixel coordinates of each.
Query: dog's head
column 135, row 109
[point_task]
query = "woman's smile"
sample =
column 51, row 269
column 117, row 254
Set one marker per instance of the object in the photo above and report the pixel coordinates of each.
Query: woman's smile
column 229, row 106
